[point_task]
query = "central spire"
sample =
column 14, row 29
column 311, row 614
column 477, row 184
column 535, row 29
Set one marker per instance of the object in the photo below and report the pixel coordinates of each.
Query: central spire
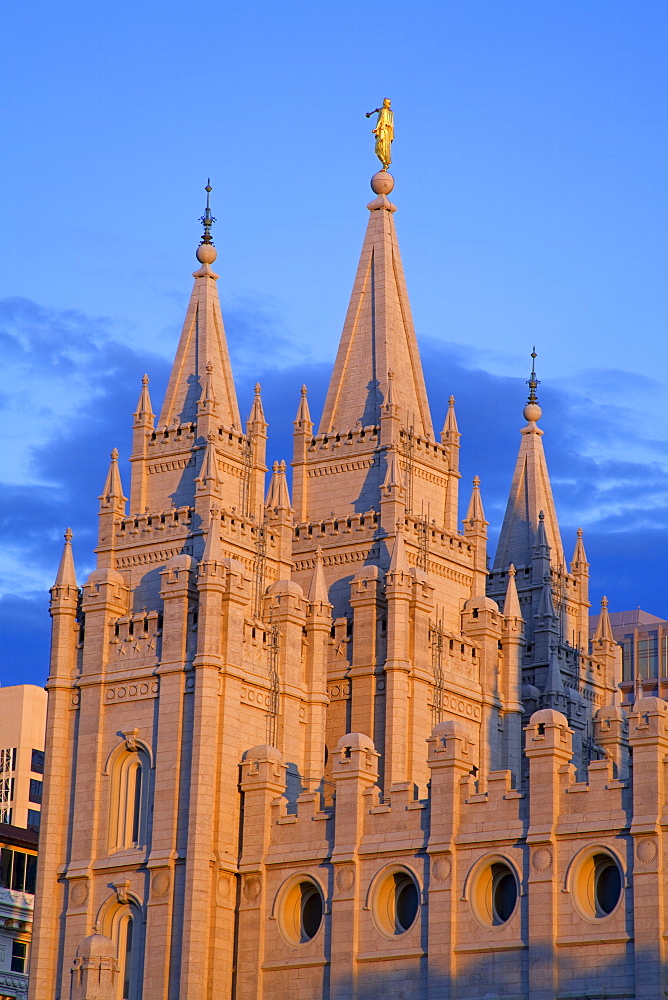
column 378, row 334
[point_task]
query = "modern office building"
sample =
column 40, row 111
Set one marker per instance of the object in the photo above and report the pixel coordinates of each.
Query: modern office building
column 22, row 729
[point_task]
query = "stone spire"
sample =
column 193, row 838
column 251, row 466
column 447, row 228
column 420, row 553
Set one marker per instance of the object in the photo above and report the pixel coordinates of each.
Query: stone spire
column 511, row 606
column 213, row 550
column 256, row 416
column 66, row 575
column 378, row 335
column 278, row 497
column 530, row 493
column 202, row 343
column 475, row 515
column 112, row 497
column 317, row 591
column 208, row 478
column 399, row 560
column 579, row 562
column 302, row 421
column 450, row 433
column 144, row 414
column 604, row 628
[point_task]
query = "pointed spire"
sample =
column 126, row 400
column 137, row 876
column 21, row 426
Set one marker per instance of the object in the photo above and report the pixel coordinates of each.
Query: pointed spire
column 208, row 474
column 546, row 605
column 207, row 399
column 378, row 336
column 511, row 606
column 112, row 494
column 66, row 575
column 317, row 591
column 278, row 496
column 554, row 682
column 213, row 550
column 530, row 492
column 450, row 433
column 302, row 421
column 475, row 514
column 579, row 562
column 541, row 546
column 399, row 560
column 393, row 477
column 604, row 631
column 202, row 343
column 144, row 413
column 256, row 415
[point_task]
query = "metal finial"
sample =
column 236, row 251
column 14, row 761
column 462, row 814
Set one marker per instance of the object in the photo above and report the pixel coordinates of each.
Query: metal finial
column 207, row 219
column 532, row 381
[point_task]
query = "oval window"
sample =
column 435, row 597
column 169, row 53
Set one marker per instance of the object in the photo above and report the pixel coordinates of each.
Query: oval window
column 301, row 911
column 495, row 894
column 597, row 885
column 608, row 884
column 504, row 893
column 311, row 910
column 396, row 901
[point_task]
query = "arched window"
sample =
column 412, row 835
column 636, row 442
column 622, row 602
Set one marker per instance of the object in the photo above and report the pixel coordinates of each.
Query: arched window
column 125, row 926
column 128, row 806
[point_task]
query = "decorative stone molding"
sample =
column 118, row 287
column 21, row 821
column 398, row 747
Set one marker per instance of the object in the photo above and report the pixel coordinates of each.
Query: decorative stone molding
column 460, row 706
column 339, row 692
column 79, row 891
column 646, row 850
column 252, row 887
column 131, row 692
column 441, row 868
column 130, row 738
column 160, row 883
column 345, row 878
column 541, row 860
column 17, row 984
column 255, row 696
column 122, row 890
column 224, row 886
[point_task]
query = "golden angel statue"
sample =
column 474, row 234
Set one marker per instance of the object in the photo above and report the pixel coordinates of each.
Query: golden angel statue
column 384, row 132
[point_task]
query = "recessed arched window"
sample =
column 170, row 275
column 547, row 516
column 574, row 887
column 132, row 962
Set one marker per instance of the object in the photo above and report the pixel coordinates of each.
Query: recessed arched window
column 128, row 806
column 126, row 929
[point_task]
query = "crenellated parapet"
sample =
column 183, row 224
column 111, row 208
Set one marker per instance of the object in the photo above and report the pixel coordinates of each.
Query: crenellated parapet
column 470, row 879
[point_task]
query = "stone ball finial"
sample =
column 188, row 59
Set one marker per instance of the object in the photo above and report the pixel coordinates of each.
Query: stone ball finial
column 206, row 253
column 532, row 412
column 382, row 182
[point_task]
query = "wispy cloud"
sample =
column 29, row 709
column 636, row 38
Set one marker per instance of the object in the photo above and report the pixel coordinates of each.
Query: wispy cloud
column 71, row 384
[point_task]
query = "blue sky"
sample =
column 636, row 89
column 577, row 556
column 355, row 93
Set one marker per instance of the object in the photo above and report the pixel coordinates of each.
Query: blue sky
column 530, row 165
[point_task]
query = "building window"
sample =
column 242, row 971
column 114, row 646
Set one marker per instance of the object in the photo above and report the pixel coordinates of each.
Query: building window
column 19, row 956
column 648, row 656
column 627, row 658
column 35, row 793
column 37, row 762
column 126, row 932
column 18, row 870
column 128, row 819
column 34, row 820
column 7, row 765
